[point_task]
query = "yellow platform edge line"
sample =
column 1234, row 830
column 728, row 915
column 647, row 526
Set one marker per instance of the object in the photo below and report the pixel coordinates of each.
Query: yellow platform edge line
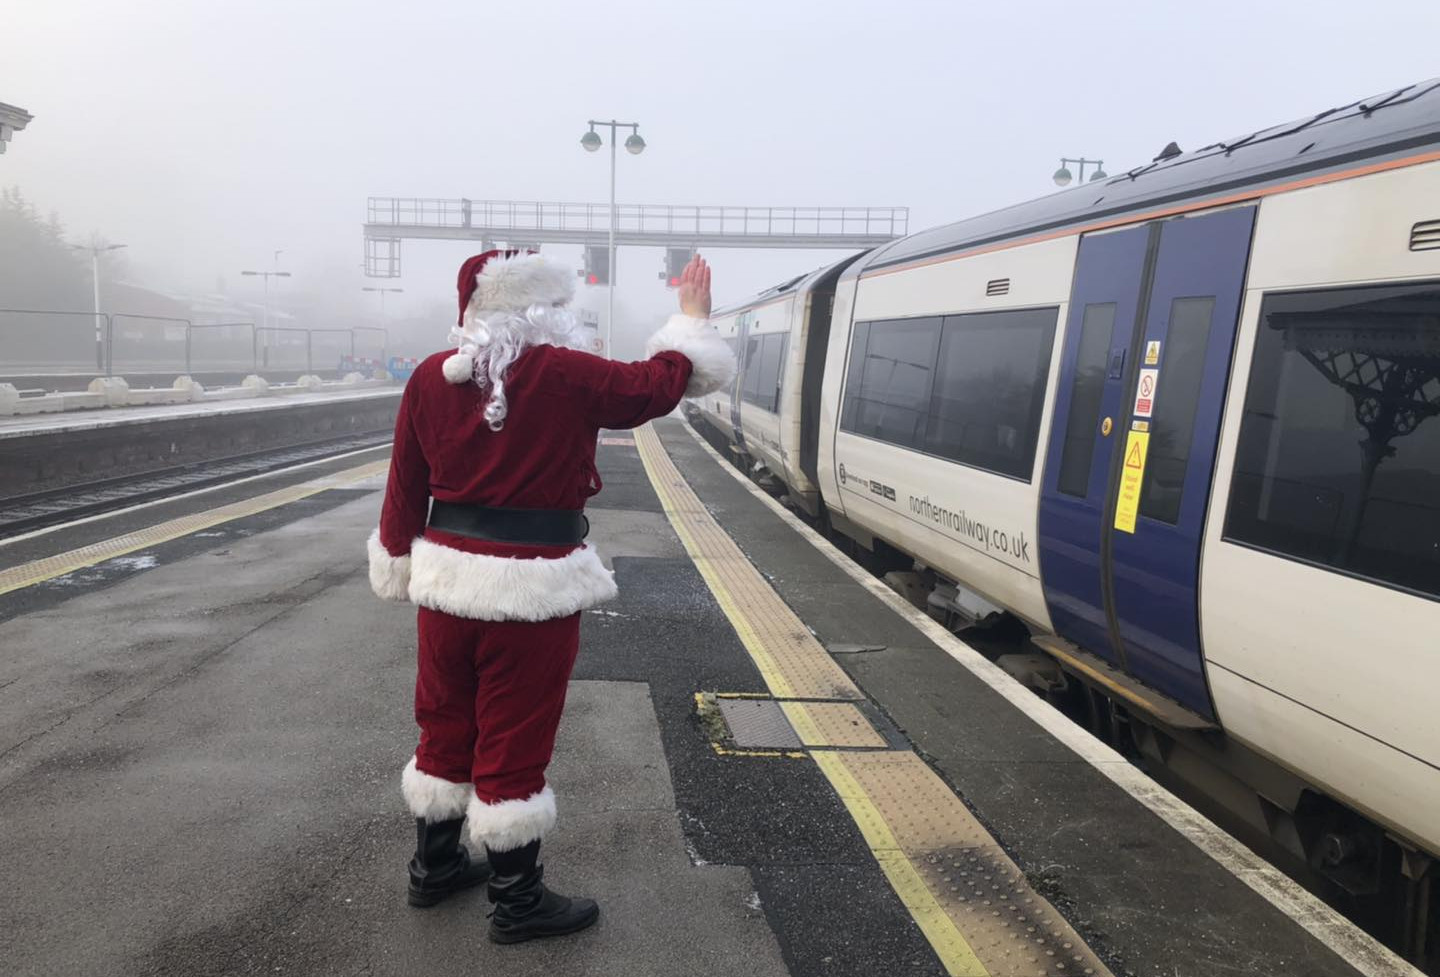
column 815, row 729
column 50, row 567
column 945, row 938
column 769, row 671
column 804, row 724
column 729, row 573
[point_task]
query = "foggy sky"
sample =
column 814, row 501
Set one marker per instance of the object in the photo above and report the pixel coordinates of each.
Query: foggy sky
column 206, row 135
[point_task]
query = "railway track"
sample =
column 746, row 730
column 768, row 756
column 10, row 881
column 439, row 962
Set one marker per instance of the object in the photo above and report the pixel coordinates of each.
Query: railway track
column 39, row 510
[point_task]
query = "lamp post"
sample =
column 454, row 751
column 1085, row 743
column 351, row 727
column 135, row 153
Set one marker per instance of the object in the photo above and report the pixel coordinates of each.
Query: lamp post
column 382, row 291
column 95, row 252
column 634, row 145
column 267, row 275
column 1062, row 176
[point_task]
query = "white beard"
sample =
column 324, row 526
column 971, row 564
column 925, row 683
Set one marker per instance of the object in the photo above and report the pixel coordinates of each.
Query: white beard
column 493, row 341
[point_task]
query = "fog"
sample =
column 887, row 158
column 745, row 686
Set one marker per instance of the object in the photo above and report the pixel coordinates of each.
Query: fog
column 208, row 136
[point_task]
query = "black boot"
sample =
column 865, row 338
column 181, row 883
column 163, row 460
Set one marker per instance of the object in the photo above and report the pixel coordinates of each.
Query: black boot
column 524, row 908
column 441, row 865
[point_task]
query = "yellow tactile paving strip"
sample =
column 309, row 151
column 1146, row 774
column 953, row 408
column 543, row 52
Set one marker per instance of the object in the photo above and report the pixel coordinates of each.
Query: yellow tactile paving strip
column 831, row 724
column 969, row 899
column 38, row 571
column 1010, row 928
column 792, row 662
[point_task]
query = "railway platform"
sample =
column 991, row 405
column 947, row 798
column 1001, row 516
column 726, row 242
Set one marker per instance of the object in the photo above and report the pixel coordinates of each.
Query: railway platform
column 769, row 764
column 31, row 425
column 83, row 452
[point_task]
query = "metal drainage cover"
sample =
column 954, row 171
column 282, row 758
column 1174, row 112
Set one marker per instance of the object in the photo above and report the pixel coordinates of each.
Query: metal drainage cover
column 758, row 723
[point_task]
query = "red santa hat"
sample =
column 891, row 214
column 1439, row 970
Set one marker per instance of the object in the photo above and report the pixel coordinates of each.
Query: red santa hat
column 498, row 282
column 511, row 281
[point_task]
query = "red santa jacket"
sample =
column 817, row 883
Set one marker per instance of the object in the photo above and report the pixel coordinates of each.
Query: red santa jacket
column 543, row 458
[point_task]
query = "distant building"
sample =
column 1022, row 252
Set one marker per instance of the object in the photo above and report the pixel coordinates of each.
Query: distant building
column 12, row 120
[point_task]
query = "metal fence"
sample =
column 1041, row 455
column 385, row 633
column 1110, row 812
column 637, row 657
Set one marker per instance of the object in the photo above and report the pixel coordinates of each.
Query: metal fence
column 520, row 216
column 46, row 342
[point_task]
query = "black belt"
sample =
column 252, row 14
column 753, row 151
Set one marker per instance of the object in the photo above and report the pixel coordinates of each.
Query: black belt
column 537, row 527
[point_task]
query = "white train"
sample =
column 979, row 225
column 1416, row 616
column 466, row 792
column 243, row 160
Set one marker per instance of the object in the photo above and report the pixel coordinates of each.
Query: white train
column 1182, row 423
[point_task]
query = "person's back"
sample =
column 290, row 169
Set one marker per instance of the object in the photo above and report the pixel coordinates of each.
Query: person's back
column 482, row 526
column 543, row 457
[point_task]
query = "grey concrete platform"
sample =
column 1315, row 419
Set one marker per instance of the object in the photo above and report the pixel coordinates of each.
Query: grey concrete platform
column 47, row 452
column 199, row 770
column 27, row 425
column 200, row 748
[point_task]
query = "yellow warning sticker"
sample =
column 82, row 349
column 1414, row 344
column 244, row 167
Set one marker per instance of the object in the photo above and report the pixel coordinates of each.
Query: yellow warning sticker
column 1152, row 352
column 1137, row 445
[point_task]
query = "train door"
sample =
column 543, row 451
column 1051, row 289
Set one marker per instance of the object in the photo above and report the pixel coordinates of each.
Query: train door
column 1127, row 477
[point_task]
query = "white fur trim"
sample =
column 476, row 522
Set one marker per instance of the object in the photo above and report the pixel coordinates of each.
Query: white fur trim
column 712, row 364
column 511, row 824
column 432, row 798
column 458, row 368
column 497, row 588
column 389, row 575
column 514, row 284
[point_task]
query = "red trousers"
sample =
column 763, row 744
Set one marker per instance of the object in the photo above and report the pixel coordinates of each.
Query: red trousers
column 488, row 698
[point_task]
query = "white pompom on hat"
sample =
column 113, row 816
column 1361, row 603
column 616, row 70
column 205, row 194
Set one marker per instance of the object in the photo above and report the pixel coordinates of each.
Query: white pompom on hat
column 459, row 367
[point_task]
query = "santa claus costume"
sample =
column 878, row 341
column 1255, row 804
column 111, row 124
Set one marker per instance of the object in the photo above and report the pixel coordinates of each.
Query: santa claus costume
column 500, row 435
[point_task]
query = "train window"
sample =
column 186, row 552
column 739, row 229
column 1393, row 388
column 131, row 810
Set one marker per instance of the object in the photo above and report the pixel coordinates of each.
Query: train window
column 780, row 342
column 750, row 382
column 893, row 396
column 858, row 339
column 1335, row 370
column 770, row 364
column 1173, row 422
column 989, row 389
column 1096, row 331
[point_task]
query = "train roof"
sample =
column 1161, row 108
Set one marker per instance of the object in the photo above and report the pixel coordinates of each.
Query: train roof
column 786, row 287
column 1394, row 124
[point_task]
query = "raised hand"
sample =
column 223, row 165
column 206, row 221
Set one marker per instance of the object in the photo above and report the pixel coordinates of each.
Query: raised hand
column 695, row 289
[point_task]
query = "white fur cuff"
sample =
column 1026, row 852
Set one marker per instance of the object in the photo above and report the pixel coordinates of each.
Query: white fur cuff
column 712, row 364
column 511, row 824
column 434, row 799
column 389, row 575
column 496, row 588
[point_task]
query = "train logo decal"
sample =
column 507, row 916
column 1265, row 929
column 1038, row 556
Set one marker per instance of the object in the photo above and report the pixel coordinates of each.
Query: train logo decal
column 886, row 492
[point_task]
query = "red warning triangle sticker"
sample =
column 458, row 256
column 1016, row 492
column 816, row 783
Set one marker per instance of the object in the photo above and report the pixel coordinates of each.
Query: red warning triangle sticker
column 1133, row 459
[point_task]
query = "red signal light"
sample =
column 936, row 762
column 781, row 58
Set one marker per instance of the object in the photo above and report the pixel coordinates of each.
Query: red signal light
column 675, row 261
column 592, row 279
